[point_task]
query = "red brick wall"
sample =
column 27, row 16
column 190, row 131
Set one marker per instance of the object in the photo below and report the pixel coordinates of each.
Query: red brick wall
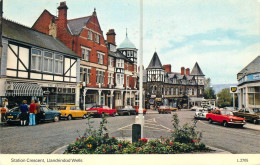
column 43, row 22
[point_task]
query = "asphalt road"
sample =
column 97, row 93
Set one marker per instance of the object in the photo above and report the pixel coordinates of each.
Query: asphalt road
column 46, row 137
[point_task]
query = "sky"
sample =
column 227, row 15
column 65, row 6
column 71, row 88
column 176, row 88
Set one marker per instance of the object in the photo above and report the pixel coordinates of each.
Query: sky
column 223, row 36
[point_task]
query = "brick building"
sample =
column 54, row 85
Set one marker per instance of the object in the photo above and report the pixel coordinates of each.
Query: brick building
column 164, row 87
column 84, row 36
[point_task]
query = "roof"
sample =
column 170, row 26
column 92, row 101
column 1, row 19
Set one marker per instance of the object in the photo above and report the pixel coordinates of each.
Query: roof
column 196, row 71
column 27, row 35
column 118, row 55
column 127, row 44
column 155, row 62
column 252, row 67
column 76, row 25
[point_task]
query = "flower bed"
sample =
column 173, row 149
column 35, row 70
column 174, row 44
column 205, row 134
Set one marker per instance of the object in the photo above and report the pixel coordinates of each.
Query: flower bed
column 184, row 140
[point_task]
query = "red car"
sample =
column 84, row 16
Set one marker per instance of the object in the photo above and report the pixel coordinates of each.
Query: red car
column 101, row 110
column 225, row 117
column 137, row 109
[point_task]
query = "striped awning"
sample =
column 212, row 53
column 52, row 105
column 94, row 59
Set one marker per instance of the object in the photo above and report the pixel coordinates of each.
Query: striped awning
column 25, row 89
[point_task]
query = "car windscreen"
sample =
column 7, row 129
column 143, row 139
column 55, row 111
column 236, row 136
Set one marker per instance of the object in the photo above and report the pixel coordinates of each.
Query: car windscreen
column 62, row 108
column 15, row 109
column 226, row 113
column 256, row 110
column 45, row 109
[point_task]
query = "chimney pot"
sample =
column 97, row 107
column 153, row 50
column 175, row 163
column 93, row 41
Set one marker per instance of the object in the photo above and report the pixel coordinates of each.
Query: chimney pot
column 182, row 70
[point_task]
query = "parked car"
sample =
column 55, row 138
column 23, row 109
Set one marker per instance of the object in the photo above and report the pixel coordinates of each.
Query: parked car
column 101, row 111
column 13, row 116
column 201, row 114
column 164, row 109
column 225, row 117
column 71, row 112
column 137, row 109
column 194, row 108
column 173, row 109
column 88, row 106
column 47, row 114
column 249, row 114
column 128, row 110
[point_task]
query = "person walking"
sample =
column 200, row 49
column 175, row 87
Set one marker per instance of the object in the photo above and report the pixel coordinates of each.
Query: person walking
column 24, row 112
column 3, row 113
column 32, row 111
column 38, row 109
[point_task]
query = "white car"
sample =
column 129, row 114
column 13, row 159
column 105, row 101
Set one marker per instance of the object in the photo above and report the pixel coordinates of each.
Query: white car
column 194, row 108
column 201, row 113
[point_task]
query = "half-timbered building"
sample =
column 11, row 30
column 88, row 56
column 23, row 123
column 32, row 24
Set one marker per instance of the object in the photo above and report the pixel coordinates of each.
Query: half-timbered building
column 164, row 87
column 36, row 66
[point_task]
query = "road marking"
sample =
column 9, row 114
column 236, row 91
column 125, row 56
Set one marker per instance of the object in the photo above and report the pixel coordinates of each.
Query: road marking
column 125, row 127
column 241, row 133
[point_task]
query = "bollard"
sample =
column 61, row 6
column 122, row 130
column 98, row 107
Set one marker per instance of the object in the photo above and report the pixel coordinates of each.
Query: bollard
column 136, row 132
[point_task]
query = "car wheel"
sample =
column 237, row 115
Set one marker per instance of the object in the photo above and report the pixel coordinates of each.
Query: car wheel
column 210, row 121
column 114, row 114
column 56, row 119
column 225, row 124
column 69, row 117
column 84, row 116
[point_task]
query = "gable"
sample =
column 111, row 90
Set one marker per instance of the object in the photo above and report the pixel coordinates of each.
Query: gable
column 43, row 22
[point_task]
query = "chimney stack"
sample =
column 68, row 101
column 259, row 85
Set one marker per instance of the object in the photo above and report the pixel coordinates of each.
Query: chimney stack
column 111, row 37
column 188, row 71
column 62, row 16
column 182, row 70
column 168, row 68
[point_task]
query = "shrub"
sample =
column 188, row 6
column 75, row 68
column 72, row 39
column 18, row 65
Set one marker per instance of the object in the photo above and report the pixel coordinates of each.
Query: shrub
column 185, row 139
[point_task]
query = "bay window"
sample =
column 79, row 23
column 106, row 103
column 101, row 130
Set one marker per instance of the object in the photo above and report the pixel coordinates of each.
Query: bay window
column 48, row 62
column 36, row 60
column 58, row 64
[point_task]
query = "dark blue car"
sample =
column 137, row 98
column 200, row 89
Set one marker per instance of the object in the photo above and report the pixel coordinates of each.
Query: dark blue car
column 46, row 114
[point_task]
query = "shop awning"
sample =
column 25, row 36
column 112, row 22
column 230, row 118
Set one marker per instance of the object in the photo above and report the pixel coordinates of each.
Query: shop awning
column 25, row 89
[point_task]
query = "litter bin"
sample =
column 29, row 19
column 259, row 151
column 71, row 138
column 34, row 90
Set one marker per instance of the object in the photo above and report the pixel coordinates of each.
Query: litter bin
column 136, row 132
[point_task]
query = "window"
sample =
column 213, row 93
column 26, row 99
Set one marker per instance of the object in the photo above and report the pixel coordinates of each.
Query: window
column 36, row 63
column 119, row 79
column 110, row 78
column 90, row 35
column 111, row 61
column 85, row 75
column 85, row 53
column 48, row 62
column 100, row 58
column 96, row 38
column 127, row 81
column 58, row 64
column 100, row 77
column 120, row 63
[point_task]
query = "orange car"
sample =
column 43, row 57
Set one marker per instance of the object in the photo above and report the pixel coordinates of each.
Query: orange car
column 137, row 109
column 72, row 111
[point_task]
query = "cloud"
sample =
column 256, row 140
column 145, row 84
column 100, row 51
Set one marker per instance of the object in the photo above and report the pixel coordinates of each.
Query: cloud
column 220, row 42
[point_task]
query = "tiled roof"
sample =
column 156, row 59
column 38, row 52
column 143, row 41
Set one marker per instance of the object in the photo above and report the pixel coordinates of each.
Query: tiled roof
column 252, row 67
column 27, row 35
column 155, row 62
column 76, row 25
column 196, row 71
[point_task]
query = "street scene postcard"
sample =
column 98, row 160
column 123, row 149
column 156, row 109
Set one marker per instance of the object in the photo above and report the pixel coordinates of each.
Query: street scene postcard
column 129, row 82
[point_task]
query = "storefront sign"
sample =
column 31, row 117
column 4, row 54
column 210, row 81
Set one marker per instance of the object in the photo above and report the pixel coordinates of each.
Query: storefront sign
column 256, row 77
column 233, row 89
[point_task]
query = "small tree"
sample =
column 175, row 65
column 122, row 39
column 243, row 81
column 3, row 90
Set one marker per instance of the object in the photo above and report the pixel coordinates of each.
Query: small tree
column 225, row 99
column 209, row 93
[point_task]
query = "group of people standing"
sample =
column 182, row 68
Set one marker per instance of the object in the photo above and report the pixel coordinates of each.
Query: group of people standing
column 32, row 110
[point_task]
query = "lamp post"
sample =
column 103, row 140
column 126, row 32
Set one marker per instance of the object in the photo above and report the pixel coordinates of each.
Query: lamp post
column 140, row 115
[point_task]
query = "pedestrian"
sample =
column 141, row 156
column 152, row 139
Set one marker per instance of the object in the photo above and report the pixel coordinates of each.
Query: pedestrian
column 24, row 112
column 3, row 113
column 32, row 111
column 38, row 109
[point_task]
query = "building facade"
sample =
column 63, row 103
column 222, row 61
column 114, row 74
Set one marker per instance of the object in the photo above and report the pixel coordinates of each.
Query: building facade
column 101, row 72
column 249, row 85
column 164, row 87
column 36, row 66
